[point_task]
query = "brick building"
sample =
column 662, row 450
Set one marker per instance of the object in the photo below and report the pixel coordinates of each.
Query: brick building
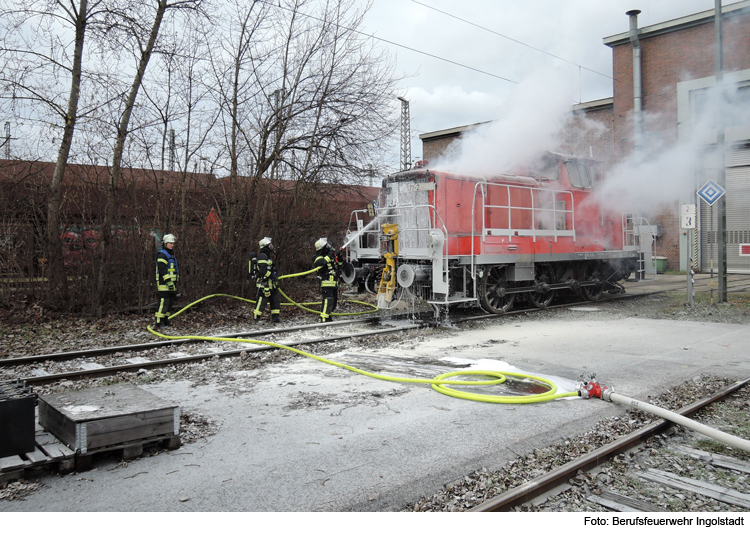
column 677, row 71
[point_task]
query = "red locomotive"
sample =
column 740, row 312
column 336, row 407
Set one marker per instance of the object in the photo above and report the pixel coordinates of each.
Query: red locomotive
column 448, row 238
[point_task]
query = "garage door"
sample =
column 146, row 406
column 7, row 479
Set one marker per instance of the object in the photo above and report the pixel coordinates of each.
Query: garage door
column 738, row 214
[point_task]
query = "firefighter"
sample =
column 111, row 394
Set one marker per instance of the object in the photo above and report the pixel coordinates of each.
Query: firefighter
column 267, row 282
column 328, row 262
column 167, row 276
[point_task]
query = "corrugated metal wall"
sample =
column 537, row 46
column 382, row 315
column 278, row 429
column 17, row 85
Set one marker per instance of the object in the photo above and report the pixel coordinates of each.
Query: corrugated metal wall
column 737, row 208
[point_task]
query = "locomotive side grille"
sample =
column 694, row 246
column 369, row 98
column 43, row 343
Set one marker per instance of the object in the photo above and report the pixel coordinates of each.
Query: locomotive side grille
column 408, row 203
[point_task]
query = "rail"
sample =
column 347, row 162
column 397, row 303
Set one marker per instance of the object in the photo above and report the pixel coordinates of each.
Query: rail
column 548, row 481
column 536, row 209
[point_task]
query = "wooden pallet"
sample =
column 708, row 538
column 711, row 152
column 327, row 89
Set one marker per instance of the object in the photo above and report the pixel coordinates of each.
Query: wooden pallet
column 125, row 451
column 51, row 455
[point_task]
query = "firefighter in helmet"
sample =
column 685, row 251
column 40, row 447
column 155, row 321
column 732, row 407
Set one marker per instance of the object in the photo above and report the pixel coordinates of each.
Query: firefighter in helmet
column 167, row 276
column 267, row 282
column 328, row 262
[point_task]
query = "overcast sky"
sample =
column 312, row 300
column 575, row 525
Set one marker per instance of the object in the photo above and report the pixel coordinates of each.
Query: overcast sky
column 564, row 36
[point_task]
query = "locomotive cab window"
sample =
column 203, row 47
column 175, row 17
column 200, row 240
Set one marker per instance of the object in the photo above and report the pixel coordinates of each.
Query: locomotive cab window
column 560, row 216
column 593, row 174
column 546, row 168
column 578, row 174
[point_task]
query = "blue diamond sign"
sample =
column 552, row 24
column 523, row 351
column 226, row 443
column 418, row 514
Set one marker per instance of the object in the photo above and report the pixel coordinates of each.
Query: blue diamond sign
column 711, row 192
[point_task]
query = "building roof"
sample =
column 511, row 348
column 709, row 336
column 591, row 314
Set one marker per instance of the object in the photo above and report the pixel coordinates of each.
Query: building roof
column 451, row 132
column 674, row 25
column 595, row 105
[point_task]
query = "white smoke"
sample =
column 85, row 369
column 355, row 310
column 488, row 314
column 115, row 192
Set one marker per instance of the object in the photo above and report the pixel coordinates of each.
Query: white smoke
column 538, row 119
column 665, row 171
column 533, row 116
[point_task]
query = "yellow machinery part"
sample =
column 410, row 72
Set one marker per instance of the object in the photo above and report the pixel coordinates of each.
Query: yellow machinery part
column 388, row 278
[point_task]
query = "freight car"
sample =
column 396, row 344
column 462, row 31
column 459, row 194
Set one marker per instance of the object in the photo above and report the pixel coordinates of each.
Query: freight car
column 449, row 238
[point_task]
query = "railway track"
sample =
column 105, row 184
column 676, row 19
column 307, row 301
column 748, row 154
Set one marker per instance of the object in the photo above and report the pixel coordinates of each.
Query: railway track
column 198, row 351
column 35, row 370
column 706, row 283
column 623, row 476
column 43, row 369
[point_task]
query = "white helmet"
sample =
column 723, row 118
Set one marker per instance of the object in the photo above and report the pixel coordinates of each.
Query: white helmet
column 169, row 239
column 266, row 242
column 321, row 243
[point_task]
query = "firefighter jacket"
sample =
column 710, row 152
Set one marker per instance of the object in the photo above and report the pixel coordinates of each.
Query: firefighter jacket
column 167, row 271
column 328, row 268
column 267, row 276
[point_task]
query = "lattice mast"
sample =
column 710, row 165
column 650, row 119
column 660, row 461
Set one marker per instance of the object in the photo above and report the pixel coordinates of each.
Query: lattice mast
column 405, row 136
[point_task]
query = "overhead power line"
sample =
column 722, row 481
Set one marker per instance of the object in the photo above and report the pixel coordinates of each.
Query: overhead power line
column 510, row 38
column 397, row 44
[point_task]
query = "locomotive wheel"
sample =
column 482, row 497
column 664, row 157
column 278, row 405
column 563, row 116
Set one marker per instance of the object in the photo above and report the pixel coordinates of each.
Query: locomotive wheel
column 543, row 275
column 492, row 293
column 593, row 271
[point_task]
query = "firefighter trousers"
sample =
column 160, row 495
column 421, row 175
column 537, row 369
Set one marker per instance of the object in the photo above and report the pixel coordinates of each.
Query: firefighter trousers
column 328, row 305
column 164, row 307
column 267, row 295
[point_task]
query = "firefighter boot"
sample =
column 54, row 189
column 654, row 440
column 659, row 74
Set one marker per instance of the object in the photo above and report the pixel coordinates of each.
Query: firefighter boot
column 275, row 319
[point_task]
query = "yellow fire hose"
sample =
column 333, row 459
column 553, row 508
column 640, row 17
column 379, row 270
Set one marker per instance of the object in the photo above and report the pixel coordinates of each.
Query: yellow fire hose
column 290, row 303
column 440, row 383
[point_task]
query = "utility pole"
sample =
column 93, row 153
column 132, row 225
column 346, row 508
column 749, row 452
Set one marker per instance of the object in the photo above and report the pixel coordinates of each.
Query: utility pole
column 277, row 100
column 7, row 140
column 405, row 136
column 721, row 218
column 171, row 150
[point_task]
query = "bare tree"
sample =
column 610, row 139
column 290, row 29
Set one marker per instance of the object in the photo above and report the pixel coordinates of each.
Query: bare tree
column 145, row 43
column 315, row 104
column 46, row 56
column 297, row 100
column 234, row 66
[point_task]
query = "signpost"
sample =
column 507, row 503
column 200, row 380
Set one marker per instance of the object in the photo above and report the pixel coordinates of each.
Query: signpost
column 687, row 221
column 712, row 192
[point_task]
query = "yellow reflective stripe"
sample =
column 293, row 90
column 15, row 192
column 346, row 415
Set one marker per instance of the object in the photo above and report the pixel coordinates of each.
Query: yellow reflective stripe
column 160, row 312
